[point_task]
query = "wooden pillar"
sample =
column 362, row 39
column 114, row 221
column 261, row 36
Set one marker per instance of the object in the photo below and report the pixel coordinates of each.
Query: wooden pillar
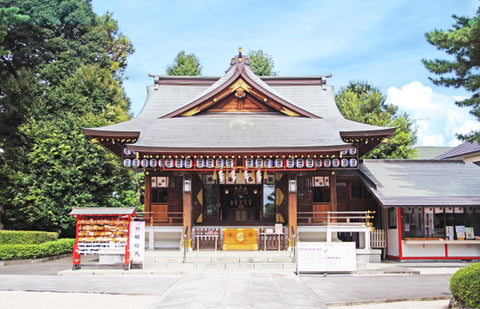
column 187, row 214
column 333, row 191
column 292, row 216
column 147, row 198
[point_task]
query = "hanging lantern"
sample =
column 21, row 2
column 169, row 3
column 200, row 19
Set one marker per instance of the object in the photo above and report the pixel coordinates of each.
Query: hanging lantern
column 188, row 163
column 327, row 162
column 200, row 163
column 136, row 163
column 144, row 163
column 127, row 163
column 353, row 162
column 229, row 163
column 292, row 186
column 153, row 163
column 344, row 162
column 335, row 162
column 309, row 163
column 278, row 163
column 169, row 163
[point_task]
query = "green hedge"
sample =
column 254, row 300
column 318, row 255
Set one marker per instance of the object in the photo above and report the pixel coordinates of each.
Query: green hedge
column 26, row 237
column 465, row 286
column 49, row 248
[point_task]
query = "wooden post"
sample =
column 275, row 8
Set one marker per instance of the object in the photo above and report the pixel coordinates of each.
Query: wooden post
column 333, row 192
column 147, row 198
column 292, row 216
column 187, row 216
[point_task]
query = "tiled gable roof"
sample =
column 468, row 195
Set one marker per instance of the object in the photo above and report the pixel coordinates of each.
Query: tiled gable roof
column 461, row 150
column 423, row 182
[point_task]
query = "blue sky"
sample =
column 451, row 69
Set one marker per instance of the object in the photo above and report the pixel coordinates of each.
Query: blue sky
column 379, row 41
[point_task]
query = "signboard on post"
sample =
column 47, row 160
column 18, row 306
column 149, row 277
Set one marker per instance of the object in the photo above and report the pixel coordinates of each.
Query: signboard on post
column 322, row 257
column 137, row 242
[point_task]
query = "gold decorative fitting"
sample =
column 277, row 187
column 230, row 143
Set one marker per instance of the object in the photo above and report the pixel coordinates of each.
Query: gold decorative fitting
column 191, row 112
column 289, row 112
column 240, row 83
column 240, row 93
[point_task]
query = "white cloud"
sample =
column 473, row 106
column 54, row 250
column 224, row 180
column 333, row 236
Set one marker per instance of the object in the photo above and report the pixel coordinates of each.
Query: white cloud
column 437, row 119
column 468, row 127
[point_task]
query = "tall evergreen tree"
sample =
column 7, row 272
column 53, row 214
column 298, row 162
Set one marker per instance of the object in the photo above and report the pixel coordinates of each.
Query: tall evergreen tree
column 62, row 72
column 362, row 102
column 262, row 64
column 462, row 43
column 185, row 65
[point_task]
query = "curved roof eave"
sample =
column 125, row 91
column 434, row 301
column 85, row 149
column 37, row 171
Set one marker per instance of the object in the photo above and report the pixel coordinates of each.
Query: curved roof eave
column 229, row 150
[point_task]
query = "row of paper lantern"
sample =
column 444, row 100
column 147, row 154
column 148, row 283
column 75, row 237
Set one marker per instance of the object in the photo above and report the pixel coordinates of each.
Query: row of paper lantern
column 352, row 151
column 250, row 163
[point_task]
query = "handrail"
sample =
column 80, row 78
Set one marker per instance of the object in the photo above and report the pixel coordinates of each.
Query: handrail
column 161, row 216
column 185, row 244
column 294, row 246
column 336, row 217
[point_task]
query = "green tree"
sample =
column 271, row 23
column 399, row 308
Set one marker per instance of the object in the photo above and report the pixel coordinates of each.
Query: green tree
column 185, row 65
column 261, row 63
column 9, row 16
column 63, row 72
column 462, row 43
column 362, row 102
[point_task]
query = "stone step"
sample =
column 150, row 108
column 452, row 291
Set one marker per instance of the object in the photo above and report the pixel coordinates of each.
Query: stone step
column 221, row 267
column 219, row 253
column 219, row 259
column 177, row 256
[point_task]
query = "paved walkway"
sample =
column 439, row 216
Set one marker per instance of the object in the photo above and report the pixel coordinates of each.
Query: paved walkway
column 140, row 289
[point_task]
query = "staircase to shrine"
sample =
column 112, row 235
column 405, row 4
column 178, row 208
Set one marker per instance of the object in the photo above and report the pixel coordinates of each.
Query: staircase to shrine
column 202, row 261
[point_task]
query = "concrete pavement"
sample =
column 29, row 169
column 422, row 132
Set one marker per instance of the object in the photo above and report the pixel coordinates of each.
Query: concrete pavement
column 376, row 283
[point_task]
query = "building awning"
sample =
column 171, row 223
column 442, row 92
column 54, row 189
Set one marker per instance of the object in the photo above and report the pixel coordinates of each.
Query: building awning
column 425, row 183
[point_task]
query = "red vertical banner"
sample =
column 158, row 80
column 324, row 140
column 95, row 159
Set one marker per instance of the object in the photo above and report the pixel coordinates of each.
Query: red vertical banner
column 399, row 225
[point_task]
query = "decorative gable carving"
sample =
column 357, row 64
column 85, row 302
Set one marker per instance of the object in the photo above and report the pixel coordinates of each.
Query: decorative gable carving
column 240, row 97
column 240, row 90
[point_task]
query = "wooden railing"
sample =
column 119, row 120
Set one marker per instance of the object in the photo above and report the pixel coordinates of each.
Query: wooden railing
column 335, row 218
column 161, row 217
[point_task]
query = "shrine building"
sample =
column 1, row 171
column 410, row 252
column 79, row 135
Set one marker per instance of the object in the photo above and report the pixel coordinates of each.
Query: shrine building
column 244, row 162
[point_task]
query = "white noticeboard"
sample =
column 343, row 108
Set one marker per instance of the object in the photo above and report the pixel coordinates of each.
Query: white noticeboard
column 324, row 257
column 137, row 242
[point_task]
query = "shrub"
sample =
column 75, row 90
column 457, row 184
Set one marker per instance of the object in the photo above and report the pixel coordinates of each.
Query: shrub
column 49, row 248
column 465, row 286
column 26, row 237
